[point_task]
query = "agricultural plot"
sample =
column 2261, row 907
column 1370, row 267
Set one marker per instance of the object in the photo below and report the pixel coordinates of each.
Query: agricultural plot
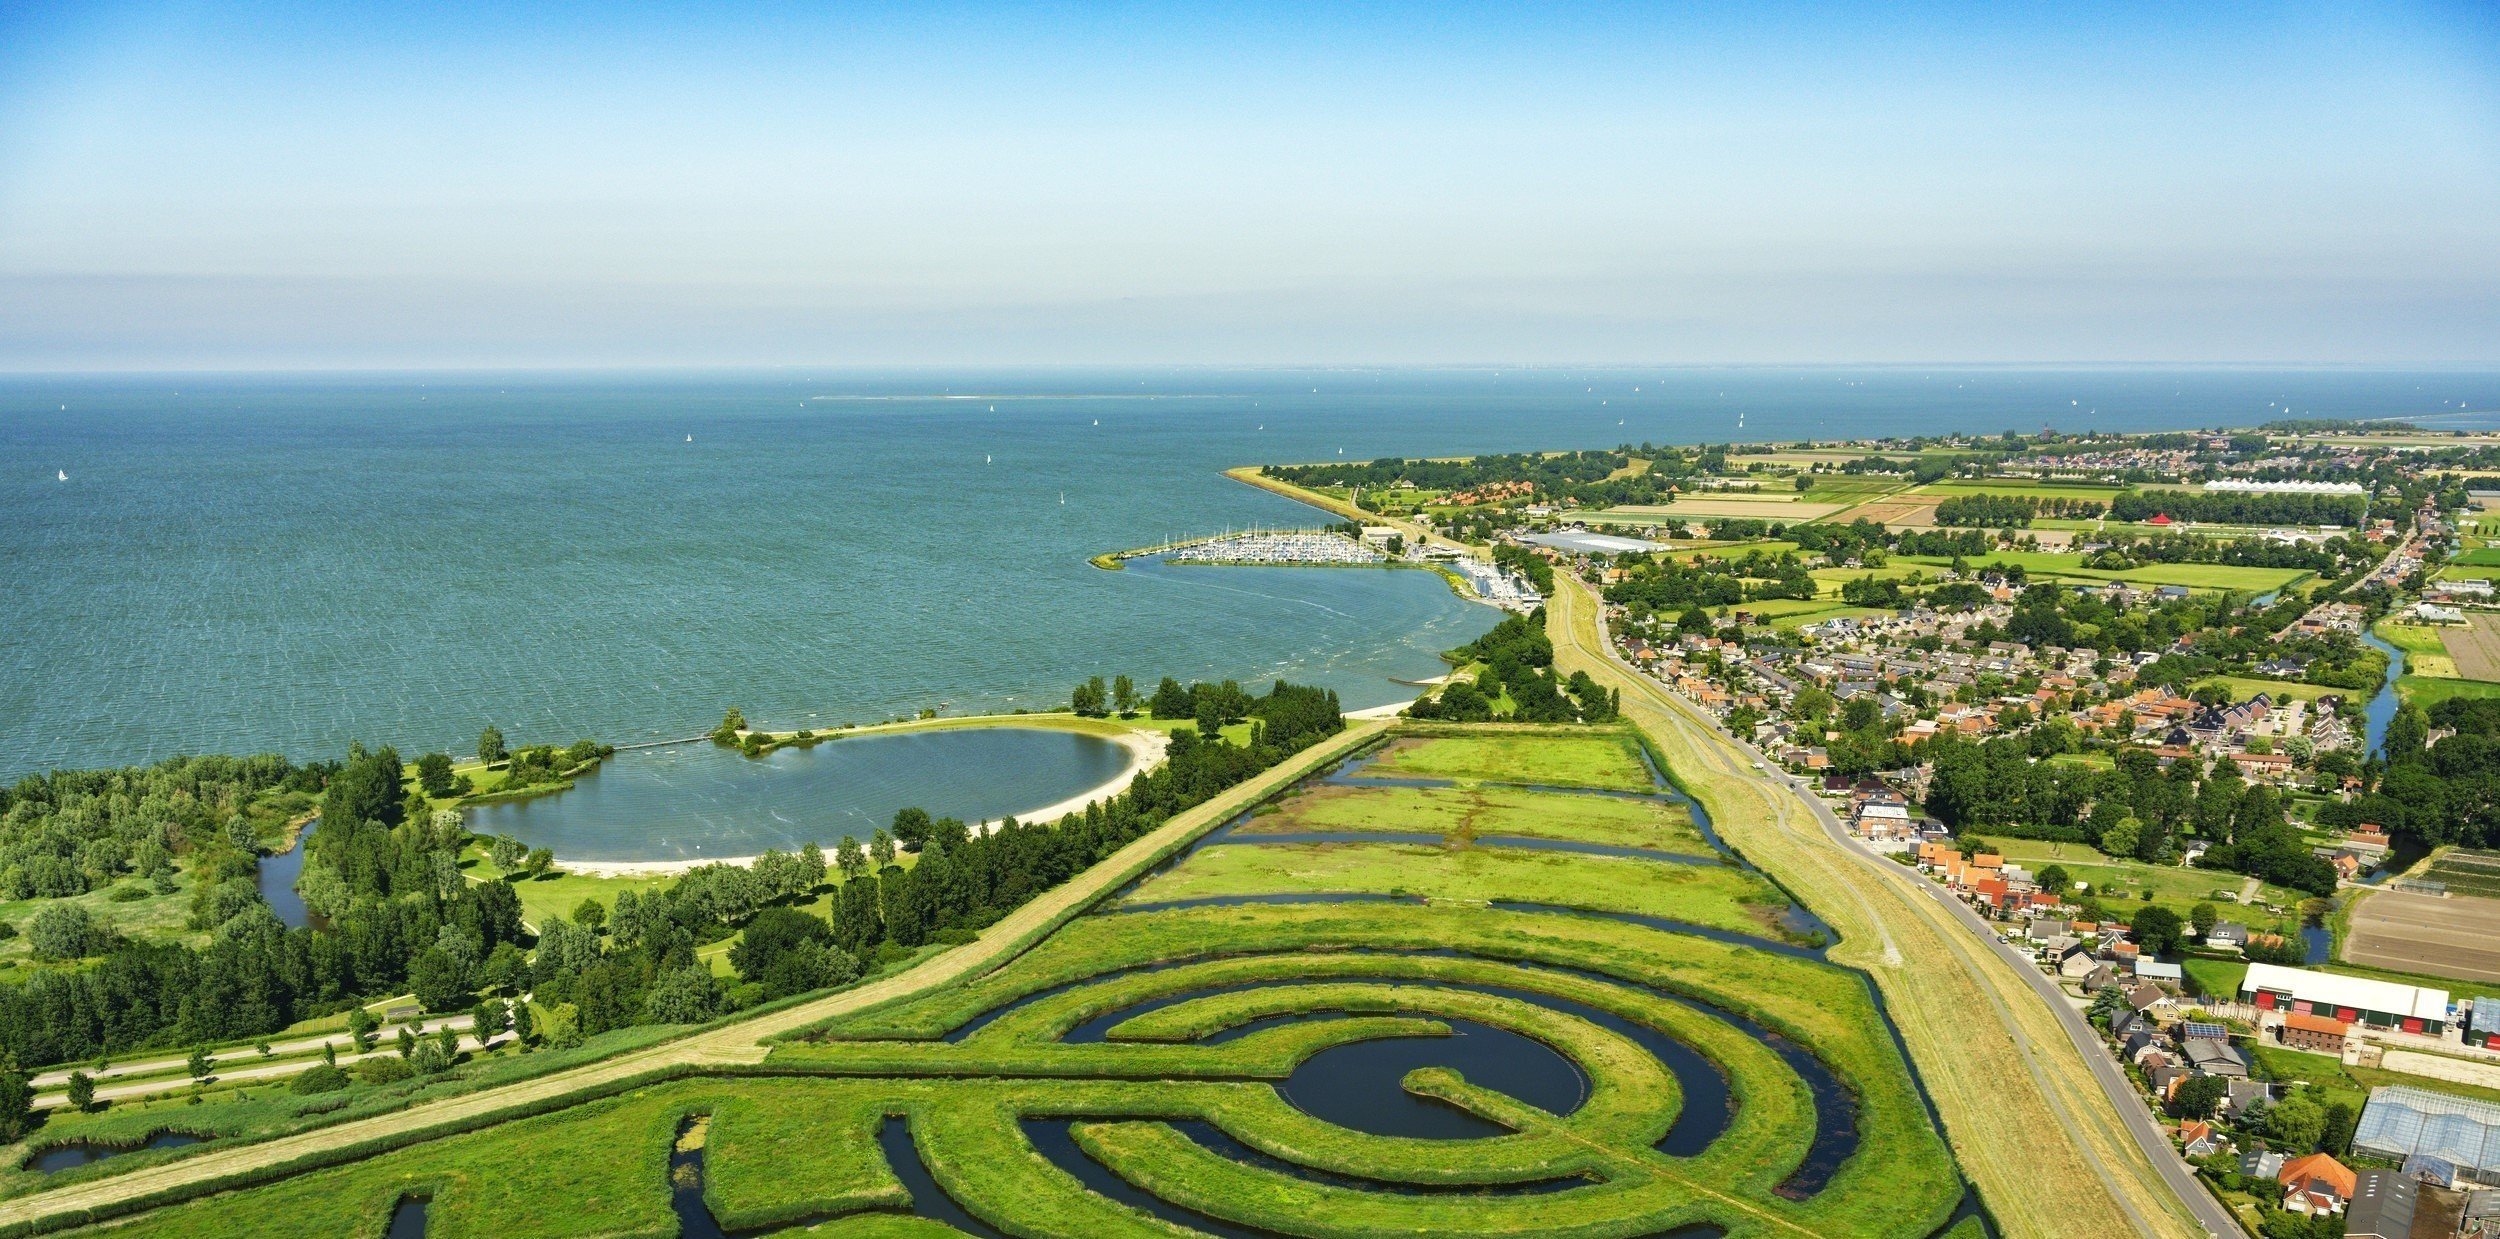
column 2425, row 652
column 2457, row 936
column 1344, row 1068
column 1771, row 506
column 1894, row 511
column 2474, row 649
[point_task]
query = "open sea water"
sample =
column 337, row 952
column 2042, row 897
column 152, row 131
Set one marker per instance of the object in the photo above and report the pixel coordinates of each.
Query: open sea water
column 258, row 563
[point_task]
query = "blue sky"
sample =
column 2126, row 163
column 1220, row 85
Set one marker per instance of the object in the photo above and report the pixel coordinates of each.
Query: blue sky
column 271, row 185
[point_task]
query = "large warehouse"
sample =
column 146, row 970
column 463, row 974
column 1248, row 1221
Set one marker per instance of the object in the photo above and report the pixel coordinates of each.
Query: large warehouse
column 2354, row 1000
column 2401, row 1123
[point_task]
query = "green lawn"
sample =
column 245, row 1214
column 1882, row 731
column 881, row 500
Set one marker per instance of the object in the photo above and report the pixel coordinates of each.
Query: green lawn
column 2067, row 566
column 1720, row 897
column 1803, row 618
column 1470, row 812
column 2428, row 691
column 2244, row 687
column 2122, row 883
column 1606, row 759
column 2214, row 978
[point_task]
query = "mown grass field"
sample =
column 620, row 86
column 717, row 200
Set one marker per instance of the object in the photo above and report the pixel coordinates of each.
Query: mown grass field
column 1462, row 813
column 1098, row 1051
column 2124, row 883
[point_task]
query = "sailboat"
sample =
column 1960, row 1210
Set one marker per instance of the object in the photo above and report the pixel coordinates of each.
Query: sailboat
column 985, row 458
column 689, row 438
column 1098, row 421
column 62, row 474
column 1063, row 498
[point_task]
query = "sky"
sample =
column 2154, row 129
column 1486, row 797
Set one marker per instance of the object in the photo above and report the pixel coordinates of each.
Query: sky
column 257, row 185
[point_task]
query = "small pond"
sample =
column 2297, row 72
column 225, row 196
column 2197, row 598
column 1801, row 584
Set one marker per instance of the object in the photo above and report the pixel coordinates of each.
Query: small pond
column 702, row 801
column 277, row 875
column 76, row 1153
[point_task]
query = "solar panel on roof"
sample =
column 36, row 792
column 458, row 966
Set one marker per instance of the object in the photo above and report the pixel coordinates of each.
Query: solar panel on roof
column 2215, row 1031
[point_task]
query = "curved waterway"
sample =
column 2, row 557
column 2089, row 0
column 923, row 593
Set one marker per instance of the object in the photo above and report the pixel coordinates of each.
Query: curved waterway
column 703, row 802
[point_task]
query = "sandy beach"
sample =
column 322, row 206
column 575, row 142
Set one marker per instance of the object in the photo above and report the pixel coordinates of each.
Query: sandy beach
column 1145, row 750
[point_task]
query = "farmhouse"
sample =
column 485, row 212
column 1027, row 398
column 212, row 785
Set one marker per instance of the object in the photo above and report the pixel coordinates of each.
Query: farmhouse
column 2318, row 1034
column 2354, row 1000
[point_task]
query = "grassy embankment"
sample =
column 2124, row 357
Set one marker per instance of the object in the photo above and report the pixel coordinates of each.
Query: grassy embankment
column 2018, row 1101
column 783, row 1149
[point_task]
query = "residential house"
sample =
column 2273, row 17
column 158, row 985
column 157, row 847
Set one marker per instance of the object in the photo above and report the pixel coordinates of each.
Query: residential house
column 2198, row 1138
column 2150, row 998
column 2261, row 1164
column 2316, row 1184
column 2228, row 935
column 2209, row 1057
column 2318, row 1034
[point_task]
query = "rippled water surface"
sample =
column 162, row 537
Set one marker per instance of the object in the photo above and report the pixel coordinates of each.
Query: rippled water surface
column 699, row 800
column 244, row 563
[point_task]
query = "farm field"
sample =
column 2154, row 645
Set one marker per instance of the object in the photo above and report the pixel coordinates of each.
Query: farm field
column 1894, row 510
column 2425, row 653
column 2023, row 487
column 2474, row 649
column 2457, row 936
column 1307, row 1069
column 1769, row 506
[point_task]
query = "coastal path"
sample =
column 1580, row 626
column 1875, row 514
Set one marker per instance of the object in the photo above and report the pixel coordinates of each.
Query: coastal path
column 730, row 1045
column 2052, row 1134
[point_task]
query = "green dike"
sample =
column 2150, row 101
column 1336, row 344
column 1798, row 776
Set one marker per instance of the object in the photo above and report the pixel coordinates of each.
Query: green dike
column 1462, row 812
column 1577, row 758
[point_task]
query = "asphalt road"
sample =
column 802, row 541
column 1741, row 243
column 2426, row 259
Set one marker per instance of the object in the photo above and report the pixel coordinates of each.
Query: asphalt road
column 2142, row 1123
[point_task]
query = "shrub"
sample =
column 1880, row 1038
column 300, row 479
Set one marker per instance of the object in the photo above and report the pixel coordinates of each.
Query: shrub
column 384, row 1070
column 321, row 1078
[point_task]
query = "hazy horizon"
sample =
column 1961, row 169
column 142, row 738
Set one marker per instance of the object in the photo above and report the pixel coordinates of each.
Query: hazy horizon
column 263, row 187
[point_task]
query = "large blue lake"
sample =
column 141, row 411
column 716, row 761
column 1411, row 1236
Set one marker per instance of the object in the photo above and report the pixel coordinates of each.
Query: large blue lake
column 241, row 563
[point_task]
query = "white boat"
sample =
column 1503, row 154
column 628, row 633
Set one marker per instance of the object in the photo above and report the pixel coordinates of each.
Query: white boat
column 62, row 474
column 985, row 458
column 689, row 438
column 1098, row 421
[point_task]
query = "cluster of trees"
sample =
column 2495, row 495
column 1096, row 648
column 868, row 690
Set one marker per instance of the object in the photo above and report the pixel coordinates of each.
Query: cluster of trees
column 2013, row 511
column 1656, row 585
column 1518, row 658
column 2431, row 794
column 1559, row 475
column 1094, row 699
column 2136, row 809
column 1527, row 564
column 2239, row 507
column 73, row 831
column 381, row 869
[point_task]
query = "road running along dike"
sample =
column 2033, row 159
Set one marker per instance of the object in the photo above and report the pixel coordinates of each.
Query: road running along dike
column 728, row 1046
column 1574, row 602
